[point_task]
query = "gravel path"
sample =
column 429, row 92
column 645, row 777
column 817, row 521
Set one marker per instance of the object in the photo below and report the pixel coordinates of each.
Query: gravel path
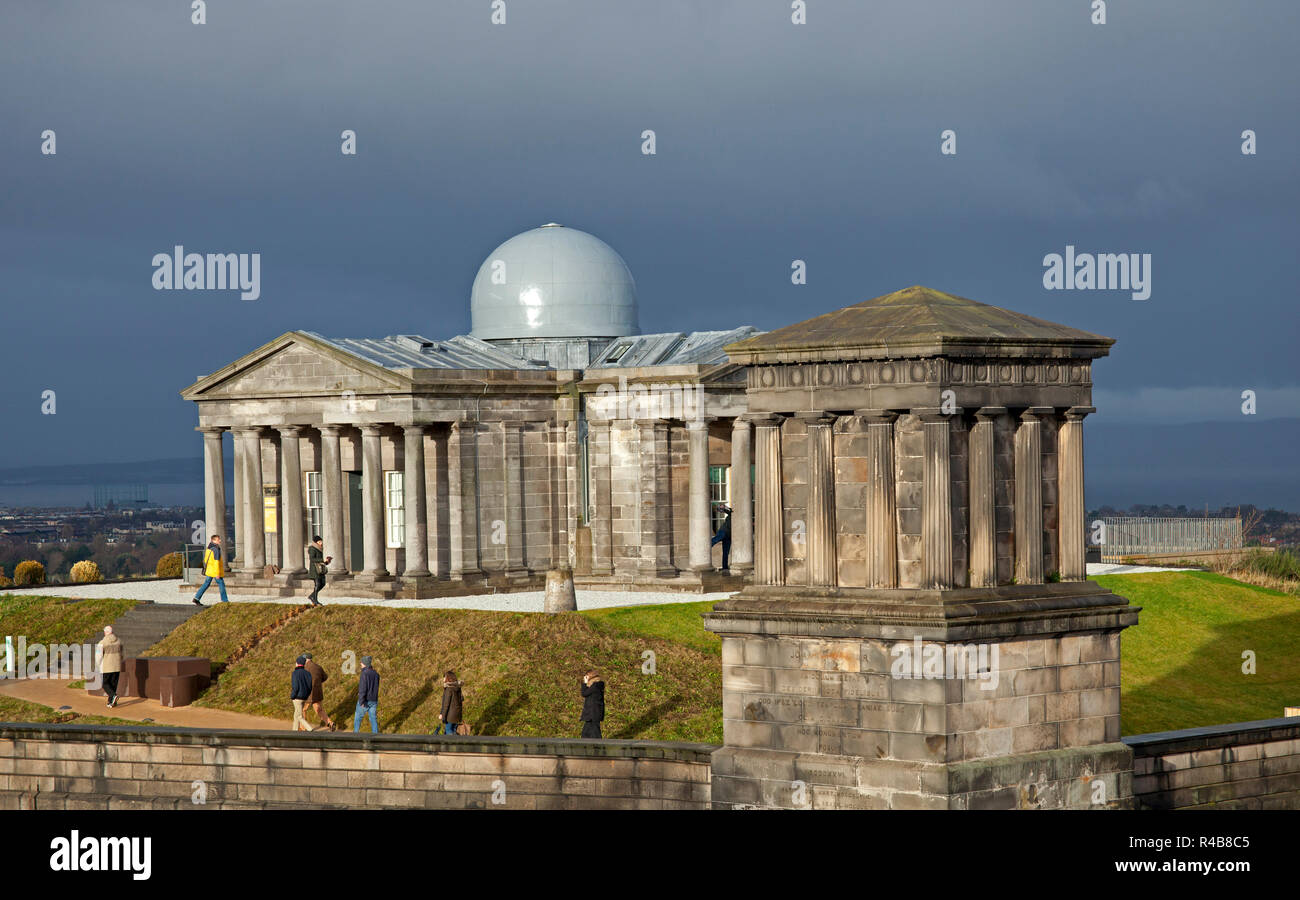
column 524, row 601
column 1118, row 569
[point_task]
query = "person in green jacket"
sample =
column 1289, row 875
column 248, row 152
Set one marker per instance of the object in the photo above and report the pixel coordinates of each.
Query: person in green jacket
column 214, row 568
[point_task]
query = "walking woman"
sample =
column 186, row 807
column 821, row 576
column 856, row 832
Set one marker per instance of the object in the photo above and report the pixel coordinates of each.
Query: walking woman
column 318, row 566
column 453, row 702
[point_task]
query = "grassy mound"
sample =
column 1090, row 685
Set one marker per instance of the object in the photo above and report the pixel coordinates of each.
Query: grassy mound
column 1182, row 663
column 14, row 710
column 522, row 671
column 58, row 620
column 224, row 632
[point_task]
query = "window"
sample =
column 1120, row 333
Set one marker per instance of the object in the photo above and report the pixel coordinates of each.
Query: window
column 719, row 494
column 315, row 518
column 396, row 509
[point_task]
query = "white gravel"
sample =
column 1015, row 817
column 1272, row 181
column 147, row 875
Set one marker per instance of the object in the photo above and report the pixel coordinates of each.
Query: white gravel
column 168, row 591
column 1118, row 569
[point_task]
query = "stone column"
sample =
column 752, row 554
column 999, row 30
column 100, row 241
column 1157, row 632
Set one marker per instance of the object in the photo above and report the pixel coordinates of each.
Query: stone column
column 462, row 487
column 240, row 501
column 332, row 499
column 936, row 502
column 557, row 500
column 254, row 521
column 293, row 547
column 512, row 471
column 214, row 484
column 655, row 500
column 416, row 504
column 1069, row 461
column 983, row 503
column 822, row 566
column 600, row 453
column 439, row 505
column 372, row 500
column 701, row 555
column 1029, row 496
column 881, row 500
column 572, row 497
column 769, row 542
column 742, row 498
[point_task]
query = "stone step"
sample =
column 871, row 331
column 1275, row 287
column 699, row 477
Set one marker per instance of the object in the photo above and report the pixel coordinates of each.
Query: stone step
column 145, row 625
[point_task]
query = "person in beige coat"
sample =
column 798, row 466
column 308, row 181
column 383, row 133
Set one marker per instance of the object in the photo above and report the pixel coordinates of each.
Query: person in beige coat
column 110, row 663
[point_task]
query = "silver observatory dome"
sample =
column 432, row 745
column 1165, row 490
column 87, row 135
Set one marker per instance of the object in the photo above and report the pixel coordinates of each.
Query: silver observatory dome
column 553, row 282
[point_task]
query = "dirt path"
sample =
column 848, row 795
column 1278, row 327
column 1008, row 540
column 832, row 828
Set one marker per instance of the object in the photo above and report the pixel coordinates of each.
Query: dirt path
column 55, row 693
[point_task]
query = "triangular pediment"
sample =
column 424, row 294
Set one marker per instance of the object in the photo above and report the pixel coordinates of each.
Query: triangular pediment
column 295, row 364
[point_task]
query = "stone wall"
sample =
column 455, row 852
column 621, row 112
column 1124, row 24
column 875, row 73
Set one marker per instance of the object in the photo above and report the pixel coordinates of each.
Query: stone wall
column 1249, row 765
column 128, row 767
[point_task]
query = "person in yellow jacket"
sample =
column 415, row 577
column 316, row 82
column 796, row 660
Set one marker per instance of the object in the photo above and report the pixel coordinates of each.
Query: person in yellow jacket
column 214, row 567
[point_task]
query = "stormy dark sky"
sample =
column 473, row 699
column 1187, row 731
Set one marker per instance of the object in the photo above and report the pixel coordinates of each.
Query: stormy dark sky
column 775, row 142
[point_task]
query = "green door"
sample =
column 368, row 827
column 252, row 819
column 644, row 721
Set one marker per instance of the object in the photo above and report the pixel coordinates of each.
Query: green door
column 357, row 562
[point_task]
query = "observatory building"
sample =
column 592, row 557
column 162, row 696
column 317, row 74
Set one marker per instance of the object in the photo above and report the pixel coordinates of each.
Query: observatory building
column 916, row 440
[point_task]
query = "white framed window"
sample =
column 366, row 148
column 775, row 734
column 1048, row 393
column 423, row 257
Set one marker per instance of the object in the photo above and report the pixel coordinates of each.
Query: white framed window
column 315, row 505
column 396, row 506
column 719, row 494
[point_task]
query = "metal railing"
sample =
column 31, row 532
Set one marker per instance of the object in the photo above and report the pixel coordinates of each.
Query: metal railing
column 1130, row 536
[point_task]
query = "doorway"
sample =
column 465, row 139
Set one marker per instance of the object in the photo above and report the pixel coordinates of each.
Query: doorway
column 356, row 529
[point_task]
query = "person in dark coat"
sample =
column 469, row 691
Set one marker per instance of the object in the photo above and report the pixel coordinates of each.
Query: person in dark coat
column 317, row 698
column 453, row 702
column 299, row 692
column 317, row 566
column 367, row 697
column 724, row 535
column 593, row 704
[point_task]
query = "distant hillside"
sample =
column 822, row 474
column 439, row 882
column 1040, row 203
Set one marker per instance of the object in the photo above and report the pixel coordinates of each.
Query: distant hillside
column 185, row 470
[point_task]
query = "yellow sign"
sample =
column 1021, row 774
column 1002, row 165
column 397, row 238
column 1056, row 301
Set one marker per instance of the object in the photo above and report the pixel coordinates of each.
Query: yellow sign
column 268, row 514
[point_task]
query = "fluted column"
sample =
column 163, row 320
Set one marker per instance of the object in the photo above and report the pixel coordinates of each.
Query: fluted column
column 462, row 481
column 241, row 501
column 983, row 503
column 331, row 477
column 557, row 499
column 1029, row 496
column 742, row 497
column 293, row 547
column 699, row 531
column 416, row 503
column 936, row 503
column 372, row 500
column 769, row 542
column 572, row 477
column 214, row 485
column 1069, row 480
column 512, row 450
column 822, row 568
column 881, row 500
column 254, row 521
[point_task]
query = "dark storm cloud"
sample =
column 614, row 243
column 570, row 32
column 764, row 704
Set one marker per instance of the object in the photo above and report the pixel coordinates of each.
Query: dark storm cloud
column 775, row 143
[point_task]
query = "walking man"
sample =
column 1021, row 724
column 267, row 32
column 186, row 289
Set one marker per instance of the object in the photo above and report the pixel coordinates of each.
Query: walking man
column 299, row 691
column 367, row 697
column 214, row 567
column 724, row 535
column 453, row 702
column 319, row 565
column 110, row 663
column 318, row 677
column 593, row 704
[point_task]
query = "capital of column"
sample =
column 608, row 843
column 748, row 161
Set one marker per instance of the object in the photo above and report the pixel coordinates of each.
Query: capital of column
column 765, row 420
column 1078, row 413
column 816, row 417
column 933, row 415
column 372, row 430
column 289, row 431
column 331, row 431
column 740, row 423
column 989, row 413
column 700, row 423
column 1036, row 413
column 213, row 429
column 415, row 428
column 248, row 430
column 877, row 416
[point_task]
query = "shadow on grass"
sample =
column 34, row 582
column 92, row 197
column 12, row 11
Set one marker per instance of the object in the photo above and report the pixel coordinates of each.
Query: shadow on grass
column 499, row 711
column 414, row 702
column 1211, row 689
column 651, row 718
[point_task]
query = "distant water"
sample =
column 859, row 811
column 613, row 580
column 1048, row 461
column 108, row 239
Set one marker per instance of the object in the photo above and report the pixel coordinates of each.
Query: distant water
column 78, row 495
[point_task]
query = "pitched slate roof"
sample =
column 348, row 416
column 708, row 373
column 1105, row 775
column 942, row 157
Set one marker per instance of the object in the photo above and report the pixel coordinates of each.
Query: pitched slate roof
column 412, row 351
column 919, row 321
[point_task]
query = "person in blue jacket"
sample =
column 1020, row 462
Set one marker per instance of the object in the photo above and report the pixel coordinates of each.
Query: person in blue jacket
column 299, row 693
column 367, row 697
column 724, row 535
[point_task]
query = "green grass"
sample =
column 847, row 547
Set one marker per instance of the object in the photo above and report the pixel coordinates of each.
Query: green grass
column 58, row 620
column 678, row 622
column 223, row 631
column 14, row 710
column 522, row 671
column 1182, row 662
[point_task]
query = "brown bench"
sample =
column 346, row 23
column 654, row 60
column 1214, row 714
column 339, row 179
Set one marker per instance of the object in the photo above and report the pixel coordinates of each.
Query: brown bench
column 171, row 680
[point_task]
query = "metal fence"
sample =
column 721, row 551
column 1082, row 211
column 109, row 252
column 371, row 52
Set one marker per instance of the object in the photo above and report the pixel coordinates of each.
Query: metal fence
column 1143, row 536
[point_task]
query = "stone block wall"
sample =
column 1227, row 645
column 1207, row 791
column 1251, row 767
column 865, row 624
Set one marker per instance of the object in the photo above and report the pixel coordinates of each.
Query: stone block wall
column 1248, row 765
column 126, row 767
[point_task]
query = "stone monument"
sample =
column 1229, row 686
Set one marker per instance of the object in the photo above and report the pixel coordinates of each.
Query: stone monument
column 920, row 632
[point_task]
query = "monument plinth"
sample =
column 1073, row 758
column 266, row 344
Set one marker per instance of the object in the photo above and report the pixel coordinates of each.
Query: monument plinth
column 920, row 633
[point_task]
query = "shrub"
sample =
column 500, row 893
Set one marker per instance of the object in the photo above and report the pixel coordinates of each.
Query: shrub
column 29, row 571
column 169, row 566
column 86, row 572
column 4, row 582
